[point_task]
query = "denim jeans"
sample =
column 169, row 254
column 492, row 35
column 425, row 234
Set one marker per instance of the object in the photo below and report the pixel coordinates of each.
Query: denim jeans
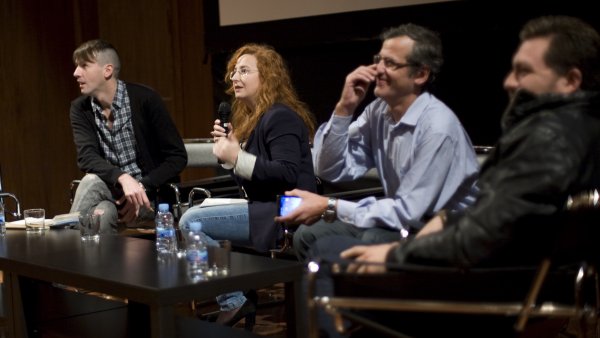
column 93, row 195
column 221, row 222
column 306, row 235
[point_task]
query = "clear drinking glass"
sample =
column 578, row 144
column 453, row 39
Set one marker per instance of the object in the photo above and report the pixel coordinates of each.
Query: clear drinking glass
column 35, row 220
column 89, row 227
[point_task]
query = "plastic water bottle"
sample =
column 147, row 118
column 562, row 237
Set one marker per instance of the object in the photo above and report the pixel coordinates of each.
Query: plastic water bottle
column 197, row 258
column 189, row 230
column 166, row 243
column 2, row 219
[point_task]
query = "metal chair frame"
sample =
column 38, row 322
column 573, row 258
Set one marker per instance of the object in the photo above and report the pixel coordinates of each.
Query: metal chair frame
column 585, row 309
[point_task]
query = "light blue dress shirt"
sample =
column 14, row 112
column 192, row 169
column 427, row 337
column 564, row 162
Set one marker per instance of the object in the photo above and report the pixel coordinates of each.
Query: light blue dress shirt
column 425, row 161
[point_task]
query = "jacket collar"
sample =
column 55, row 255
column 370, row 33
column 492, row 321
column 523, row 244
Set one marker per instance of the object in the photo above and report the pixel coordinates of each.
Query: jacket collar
column 524, row 104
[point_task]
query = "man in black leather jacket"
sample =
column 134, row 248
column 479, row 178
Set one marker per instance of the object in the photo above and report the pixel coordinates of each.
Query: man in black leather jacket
column 549, row 149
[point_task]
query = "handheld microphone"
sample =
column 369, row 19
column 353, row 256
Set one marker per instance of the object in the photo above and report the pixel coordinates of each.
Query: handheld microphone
column 224, row 112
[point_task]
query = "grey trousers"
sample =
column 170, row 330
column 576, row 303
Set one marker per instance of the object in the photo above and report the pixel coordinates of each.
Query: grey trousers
column 306, row 235
column 93, row 195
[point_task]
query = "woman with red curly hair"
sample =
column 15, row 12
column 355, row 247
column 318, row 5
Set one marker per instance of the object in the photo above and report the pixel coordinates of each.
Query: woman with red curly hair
column 266, row 149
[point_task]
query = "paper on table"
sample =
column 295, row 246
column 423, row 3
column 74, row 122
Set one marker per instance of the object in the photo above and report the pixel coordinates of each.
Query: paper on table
column 210, row 202
column 20, row 224
column 57, row 221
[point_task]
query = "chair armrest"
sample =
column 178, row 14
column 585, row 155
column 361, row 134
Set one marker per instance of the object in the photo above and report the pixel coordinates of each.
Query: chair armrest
column 16, row 214
column 218, row 186
column 200, row 153
column 193, row 193
column 73, row 189
column 367, row 185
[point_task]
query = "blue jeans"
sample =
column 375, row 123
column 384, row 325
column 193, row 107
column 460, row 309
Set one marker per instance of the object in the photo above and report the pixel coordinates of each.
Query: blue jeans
column 221, row 222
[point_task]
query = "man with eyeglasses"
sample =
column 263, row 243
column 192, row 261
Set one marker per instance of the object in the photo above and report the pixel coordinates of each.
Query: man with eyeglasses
column 422, row 154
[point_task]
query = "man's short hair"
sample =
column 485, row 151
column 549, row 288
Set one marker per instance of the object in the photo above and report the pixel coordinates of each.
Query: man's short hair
column 427, row 50
column 573, row 44
column 98, row 51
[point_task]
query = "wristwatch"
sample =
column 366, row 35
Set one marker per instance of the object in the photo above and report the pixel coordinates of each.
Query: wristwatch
column 330, row 214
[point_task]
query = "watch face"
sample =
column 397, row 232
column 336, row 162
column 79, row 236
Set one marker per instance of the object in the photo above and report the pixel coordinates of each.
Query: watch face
column 330, row 214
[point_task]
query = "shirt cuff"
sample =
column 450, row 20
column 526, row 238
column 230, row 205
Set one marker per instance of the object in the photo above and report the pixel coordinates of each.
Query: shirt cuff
column 339, row 124
column 345, row 211
column 227, row 166
column 245, row 165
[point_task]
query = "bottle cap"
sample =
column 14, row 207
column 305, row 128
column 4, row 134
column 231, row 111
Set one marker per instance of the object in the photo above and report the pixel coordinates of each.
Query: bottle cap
column 195, row 226
column 163, row 207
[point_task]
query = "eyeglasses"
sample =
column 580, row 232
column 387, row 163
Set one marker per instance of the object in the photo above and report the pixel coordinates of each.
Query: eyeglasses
column 390, row 64
column 242, row 72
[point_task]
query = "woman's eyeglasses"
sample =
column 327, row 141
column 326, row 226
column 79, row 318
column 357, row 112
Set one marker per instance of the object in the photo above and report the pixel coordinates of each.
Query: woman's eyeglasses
column 242, row 71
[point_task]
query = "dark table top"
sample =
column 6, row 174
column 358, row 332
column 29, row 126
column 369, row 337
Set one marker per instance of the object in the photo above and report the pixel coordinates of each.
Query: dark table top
column 130, row 267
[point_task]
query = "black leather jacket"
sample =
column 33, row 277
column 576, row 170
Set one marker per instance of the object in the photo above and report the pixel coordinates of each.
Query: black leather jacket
column 550, row 148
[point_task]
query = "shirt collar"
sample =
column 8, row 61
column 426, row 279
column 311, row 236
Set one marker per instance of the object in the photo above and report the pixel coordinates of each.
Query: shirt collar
column 415, row 110
column 118, row 99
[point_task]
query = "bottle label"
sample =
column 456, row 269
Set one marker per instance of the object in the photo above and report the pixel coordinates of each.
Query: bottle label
column 203, row 256
column 193, row 255
column 2, row 224
column 165, row 233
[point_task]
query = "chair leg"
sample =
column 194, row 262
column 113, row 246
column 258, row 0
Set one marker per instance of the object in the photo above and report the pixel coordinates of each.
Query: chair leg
column 587, row 316
column 532, row 295
column 287, row 243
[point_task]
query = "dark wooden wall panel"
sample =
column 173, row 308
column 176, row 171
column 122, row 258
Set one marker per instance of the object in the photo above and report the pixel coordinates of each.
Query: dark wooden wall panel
column 36, row 144
column 37, row 154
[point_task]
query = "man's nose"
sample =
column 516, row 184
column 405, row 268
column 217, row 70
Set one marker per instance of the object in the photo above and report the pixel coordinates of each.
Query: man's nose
column 510, row 82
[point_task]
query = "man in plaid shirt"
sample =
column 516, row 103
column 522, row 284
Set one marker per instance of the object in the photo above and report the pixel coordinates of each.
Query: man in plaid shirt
column 127, row 143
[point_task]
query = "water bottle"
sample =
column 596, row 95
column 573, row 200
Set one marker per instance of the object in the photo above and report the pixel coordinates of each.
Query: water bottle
column 197, row 258
column 190, row 229
column 2, row 219
column 187, row 232
column 166, row 243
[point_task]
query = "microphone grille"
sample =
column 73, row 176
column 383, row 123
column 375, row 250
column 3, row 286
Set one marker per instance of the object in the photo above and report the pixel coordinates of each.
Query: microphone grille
column 224, row 108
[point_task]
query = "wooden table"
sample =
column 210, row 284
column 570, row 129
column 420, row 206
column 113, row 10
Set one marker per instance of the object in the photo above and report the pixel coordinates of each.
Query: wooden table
column 130, row 268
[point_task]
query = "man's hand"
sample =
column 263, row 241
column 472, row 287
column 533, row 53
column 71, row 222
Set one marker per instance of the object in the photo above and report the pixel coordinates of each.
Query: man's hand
column 308, row 212
column 368, row 254
column 129, row 212
column 134, row 197
column 355, row 89
column 434, row 225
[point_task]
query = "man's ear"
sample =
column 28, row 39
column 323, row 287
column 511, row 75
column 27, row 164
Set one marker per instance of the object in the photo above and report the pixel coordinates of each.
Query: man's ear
column 572, row 80
column 421, row 75
column 108, row 71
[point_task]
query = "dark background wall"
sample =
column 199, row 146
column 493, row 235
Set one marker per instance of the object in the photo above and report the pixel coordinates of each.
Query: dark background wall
column 479, row 39
column 177, row 47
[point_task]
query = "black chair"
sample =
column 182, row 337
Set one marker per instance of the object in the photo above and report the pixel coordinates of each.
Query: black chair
column 565, row 285
column 482, row 153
